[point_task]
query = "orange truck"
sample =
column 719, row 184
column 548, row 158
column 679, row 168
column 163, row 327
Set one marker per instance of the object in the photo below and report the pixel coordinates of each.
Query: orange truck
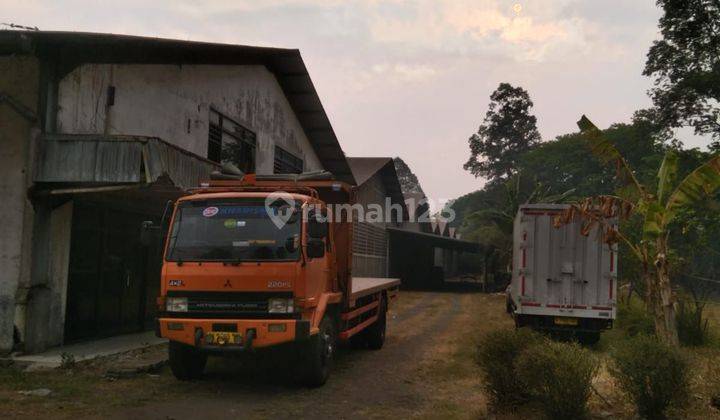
column 246, row 267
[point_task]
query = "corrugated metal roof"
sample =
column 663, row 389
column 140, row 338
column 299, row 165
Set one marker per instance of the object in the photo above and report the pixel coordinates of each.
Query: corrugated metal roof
column 364, row 168
column 70, row 49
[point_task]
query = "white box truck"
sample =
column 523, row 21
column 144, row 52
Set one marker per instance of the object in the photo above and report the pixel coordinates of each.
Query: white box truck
column 562, row 281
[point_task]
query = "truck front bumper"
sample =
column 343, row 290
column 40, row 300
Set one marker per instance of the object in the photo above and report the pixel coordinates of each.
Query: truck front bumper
column 255, row 333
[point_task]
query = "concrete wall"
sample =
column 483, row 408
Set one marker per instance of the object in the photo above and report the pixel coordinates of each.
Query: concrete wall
column 20, row 78
column 45, row 306
column 173, row 102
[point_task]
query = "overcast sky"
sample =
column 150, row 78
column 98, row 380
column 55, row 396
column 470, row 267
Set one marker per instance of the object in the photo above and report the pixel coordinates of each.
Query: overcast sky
column 413, row 78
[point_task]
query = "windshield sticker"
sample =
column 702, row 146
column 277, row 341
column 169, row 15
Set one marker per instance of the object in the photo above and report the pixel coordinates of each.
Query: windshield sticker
column 242, row 210
column 241, row 244
column 210, row 211
column 232, row 223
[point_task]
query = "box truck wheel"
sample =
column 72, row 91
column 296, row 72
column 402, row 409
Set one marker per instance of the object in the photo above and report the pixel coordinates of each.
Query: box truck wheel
column 320, row 352
column 376, row 332
column 186, row 362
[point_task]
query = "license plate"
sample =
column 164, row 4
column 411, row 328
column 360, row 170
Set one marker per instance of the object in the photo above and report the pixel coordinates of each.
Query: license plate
column 564, row 320
column 223, row 338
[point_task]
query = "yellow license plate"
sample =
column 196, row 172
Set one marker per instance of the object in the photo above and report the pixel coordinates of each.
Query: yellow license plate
column 563, row 320
column 223, row 338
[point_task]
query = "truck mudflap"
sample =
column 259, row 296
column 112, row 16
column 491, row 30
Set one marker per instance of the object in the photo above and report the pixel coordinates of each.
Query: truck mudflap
column 233, row 335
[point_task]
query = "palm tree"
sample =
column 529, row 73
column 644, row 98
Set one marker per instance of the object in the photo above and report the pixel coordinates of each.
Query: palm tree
column 657, row 207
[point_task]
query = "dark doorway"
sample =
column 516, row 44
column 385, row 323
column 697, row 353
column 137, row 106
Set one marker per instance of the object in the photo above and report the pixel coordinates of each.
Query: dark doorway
column 107, row 280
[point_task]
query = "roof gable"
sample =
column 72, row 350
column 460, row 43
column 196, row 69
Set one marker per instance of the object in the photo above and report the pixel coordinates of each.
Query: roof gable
column 71, row 49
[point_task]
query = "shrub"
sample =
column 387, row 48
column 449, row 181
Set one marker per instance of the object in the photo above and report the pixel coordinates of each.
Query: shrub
column 634, row 319
column 692, row 326
column 67, row 360
column 652, row 373
column 559, row 377
column 497, row 354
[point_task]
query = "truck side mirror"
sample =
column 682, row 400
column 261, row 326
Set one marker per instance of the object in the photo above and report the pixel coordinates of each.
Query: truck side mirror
column 316, row 228
column 148, row 232
column 315, row 248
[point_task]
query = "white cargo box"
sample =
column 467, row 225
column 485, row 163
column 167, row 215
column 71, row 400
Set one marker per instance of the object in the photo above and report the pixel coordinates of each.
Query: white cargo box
column 559, row 272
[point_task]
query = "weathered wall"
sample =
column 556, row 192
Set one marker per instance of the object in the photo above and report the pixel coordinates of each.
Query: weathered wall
column 173, row 102
column 19, row 81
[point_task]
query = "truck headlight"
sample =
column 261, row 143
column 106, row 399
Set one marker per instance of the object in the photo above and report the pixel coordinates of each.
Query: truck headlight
column 176, row 304
column 281, row 306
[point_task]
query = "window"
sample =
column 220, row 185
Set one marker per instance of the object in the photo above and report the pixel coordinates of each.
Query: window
column 230, row 142
column 286, row 162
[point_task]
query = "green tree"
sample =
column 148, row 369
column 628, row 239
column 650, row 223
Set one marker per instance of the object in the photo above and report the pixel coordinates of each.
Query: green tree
column 508, row 131
column 685, row 64
column 658, row 206
column 408, row 181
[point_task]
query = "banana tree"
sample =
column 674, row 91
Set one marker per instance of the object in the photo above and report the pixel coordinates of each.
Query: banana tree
column 657, row 206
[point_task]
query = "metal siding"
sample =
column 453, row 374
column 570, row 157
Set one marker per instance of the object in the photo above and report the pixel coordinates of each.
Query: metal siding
column 117, row 162
column 110, row 160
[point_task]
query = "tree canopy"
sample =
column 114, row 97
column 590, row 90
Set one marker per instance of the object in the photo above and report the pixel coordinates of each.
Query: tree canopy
column 408, row 181
column 507, row 132
column 685, row 64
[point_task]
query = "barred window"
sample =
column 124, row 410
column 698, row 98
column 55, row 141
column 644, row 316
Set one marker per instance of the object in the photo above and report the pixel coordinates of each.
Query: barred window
column 287, row 163
column 229, row 141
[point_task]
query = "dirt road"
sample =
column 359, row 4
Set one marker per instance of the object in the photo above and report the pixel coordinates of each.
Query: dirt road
column 365, row 383
column 426, row 369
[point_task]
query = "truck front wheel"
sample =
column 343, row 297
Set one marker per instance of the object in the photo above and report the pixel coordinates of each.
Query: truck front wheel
column 320, row 353
column 376, row 332
column 186, row 362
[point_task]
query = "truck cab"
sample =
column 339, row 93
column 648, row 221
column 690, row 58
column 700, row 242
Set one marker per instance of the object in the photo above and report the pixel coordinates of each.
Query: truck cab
column 255, row 263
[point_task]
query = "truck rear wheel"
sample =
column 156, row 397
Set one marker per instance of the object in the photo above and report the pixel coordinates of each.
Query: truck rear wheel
column 376, row 332
column 186, row 362
column 320, row 354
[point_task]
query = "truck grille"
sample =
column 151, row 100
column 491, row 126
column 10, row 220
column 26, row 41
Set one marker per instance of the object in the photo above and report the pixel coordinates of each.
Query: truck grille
column 228, row 304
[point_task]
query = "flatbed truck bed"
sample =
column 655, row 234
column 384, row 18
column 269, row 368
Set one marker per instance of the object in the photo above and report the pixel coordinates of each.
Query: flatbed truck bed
column 363, row 286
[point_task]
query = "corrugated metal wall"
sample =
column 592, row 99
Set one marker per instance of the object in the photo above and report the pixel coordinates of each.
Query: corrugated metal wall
column 370, row 239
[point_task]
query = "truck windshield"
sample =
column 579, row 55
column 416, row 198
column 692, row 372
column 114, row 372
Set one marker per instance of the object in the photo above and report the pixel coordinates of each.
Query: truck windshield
column 234, row 230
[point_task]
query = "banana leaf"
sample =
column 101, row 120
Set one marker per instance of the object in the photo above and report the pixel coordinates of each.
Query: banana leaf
column 606, row 151
column 698, row 185
column 666, row 176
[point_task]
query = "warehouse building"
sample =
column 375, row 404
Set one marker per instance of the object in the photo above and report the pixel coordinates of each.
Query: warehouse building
column 407, row 245
column 98, row 132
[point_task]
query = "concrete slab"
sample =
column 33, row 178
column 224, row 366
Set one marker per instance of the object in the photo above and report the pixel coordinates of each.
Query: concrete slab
column 89, row 350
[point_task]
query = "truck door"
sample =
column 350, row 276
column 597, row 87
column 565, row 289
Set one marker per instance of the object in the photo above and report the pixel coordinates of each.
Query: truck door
column 556, row 278
column 564, row 281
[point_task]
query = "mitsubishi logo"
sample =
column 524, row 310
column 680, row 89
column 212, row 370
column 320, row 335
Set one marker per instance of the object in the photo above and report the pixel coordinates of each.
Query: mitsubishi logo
column 228, row 284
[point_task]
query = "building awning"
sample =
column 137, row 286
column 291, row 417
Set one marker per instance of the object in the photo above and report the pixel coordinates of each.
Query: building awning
column 435, row 240
column 103, row 161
